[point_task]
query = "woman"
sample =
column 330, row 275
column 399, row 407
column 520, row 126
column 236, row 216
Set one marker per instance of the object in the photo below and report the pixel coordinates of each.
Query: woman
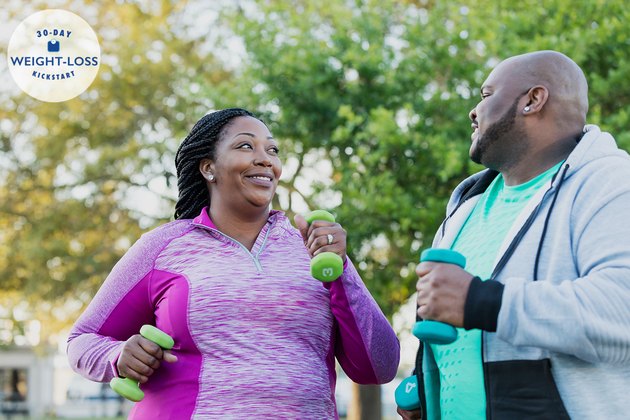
column 255, row 335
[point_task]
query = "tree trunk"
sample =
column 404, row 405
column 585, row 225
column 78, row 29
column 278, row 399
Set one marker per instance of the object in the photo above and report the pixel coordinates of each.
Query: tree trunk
column 365, row 403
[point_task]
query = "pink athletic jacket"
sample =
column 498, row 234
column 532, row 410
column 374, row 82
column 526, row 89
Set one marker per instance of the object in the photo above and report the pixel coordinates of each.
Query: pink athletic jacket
column 255, row 335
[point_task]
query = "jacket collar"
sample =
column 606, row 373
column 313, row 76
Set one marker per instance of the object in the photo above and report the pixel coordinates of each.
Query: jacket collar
column 204, row 218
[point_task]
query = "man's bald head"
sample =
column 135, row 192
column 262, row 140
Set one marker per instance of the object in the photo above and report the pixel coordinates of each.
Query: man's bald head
column 531, row 114
column 563, row 78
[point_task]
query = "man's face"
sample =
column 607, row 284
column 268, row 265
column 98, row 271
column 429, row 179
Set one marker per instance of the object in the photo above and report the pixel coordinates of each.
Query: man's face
column 487, row 147
column 498, row 138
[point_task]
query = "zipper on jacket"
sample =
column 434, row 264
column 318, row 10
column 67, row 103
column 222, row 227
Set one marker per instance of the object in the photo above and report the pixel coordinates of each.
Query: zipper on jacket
column 262, row 246
column 254, row 257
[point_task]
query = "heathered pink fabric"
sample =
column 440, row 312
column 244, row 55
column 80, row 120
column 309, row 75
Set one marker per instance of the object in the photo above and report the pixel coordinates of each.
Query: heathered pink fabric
column 254, row 332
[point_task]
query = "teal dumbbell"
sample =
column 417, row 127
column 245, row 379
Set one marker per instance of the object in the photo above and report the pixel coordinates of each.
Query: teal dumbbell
column 129, row 388
column 432, row 331
column 326, row 266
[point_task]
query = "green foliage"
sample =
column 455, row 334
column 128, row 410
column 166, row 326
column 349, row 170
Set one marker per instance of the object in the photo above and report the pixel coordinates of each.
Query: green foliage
column 385, row 87
column 381, row 89
column 71, row 172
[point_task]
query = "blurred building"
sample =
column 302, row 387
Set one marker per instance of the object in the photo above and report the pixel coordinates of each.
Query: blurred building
column 35, row 385
column 26, row 382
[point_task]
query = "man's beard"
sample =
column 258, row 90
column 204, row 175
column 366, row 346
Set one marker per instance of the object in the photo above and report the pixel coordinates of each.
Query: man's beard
column 498, row 148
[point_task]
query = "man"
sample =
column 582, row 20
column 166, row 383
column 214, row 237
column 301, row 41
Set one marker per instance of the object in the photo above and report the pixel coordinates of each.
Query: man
column 544, row 300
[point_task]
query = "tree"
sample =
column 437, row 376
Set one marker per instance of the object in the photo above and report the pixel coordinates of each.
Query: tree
column 74, row 174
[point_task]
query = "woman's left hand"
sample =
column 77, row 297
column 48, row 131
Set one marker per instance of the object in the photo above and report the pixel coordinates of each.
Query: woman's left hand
column 321, row 236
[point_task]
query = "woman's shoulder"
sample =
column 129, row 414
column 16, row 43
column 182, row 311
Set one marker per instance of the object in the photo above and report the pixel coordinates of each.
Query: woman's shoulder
column 141, row 256
column 283, row 231
column 160, row 236
column 281, row 221
column 173, row 227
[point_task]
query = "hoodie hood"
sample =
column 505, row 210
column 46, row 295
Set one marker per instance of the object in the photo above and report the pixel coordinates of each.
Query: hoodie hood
column 594, row 145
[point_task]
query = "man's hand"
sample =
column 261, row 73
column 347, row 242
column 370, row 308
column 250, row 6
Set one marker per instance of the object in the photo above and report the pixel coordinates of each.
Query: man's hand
column 442, row 290
column 409, row 415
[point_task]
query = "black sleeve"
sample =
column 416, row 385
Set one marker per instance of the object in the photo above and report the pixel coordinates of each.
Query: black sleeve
column 483, row 303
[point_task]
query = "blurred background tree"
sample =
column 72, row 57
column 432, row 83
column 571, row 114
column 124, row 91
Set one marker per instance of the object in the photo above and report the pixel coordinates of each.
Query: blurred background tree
column 81, row 180
column 370, row 100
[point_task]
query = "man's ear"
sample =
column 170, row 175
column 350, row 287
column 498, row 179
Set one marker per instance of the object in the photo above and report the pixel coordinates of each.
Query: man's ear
column 536, row 99
column 206, row 167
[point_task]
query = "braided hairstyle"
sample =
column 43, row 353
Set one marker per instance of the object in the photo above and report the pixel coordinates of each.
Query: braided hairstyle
column 200, row 144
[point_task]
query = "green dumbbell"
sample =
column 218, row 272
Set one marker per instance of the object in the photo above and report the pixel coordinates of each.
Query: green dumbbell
column 326, row 266
column 432, row 331
column 129, row 388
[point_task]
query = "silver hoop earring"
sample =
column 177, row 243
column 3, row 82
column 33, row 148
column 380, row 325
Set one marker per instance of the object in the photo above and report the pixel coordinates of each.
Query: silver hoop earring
column 526, row 109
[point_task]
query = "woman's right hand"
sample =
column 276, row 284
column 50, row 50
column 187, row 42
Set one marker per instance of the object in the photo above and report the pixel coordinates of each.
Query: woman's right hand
column 140, row 358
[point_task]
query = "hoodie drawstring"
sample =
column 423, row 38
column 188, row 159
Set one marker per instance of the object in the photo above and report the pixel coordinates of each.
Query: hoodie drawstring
column 544, row 231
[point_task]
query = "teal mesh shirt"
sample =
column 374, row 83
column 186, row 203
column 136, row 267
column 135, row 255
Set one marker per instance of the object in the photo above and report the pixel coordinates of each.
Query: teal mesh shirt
column 462, row 394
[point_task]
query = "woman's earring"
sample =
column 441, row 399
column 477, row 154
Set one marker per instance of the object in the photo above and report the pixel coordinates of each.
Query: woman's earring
column 526, row 109
column 211, row 178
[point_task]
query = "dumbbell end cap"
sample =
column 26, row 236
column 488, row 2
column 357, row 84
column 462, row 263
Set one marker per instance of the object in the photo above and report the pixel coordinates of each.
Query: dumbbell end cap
column 406, row 394
column 435, row 332
column 327, row 266
column 158, row 336
column 442, row 255
column 319, row 215
column 127, row 388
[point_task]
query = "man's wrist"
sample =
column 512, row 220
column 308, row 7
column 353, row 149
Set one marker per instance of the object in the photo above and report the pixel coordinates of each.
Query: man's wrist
column 483, row 303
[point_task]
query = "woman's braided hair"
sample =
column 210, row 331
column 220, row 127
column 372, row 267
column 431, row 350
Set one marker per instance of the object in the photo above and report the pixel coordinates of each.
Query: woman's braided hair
column 200, row 144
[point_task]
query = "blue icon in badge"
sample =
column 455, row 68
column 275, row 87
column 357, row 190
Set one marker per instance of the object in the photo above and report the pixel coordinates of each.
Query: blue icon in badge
column 53, row 45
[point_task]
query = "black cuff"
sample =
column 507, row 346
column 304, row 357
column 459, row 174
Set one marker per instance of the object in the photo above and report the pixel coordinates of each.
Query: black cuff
column 483, row 303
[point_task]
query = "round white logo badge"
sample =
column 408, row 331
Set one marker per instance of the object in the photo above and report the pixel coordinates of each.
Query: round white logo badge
column 54, row 55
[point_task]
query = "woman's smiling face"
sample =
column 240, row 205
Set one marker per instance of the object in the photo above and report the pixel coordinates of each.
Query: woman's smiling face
column 246, row 168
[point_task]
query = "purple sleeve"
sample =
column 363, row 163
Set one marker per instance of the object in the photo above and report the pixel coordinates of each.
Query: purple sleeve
column 366, row 345
column 121, row 306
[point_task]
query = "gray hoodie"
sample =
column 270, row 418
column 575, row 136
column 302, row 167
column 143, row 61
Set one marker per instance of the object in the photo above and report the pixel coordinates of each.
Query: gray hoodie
column 558, row 303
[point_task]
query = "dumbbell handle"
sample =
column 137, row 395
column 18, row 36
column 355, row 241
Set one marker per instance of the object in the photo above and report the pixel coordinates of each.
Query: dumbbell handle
column 435, row 332
column 128, row 387
column 325, row 266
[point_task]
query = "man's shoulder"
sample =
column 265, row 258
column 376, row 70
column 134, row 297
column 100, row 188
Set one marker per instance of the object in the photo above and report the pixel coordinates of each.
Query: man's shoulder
column 597, row 154
column 611, row 171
